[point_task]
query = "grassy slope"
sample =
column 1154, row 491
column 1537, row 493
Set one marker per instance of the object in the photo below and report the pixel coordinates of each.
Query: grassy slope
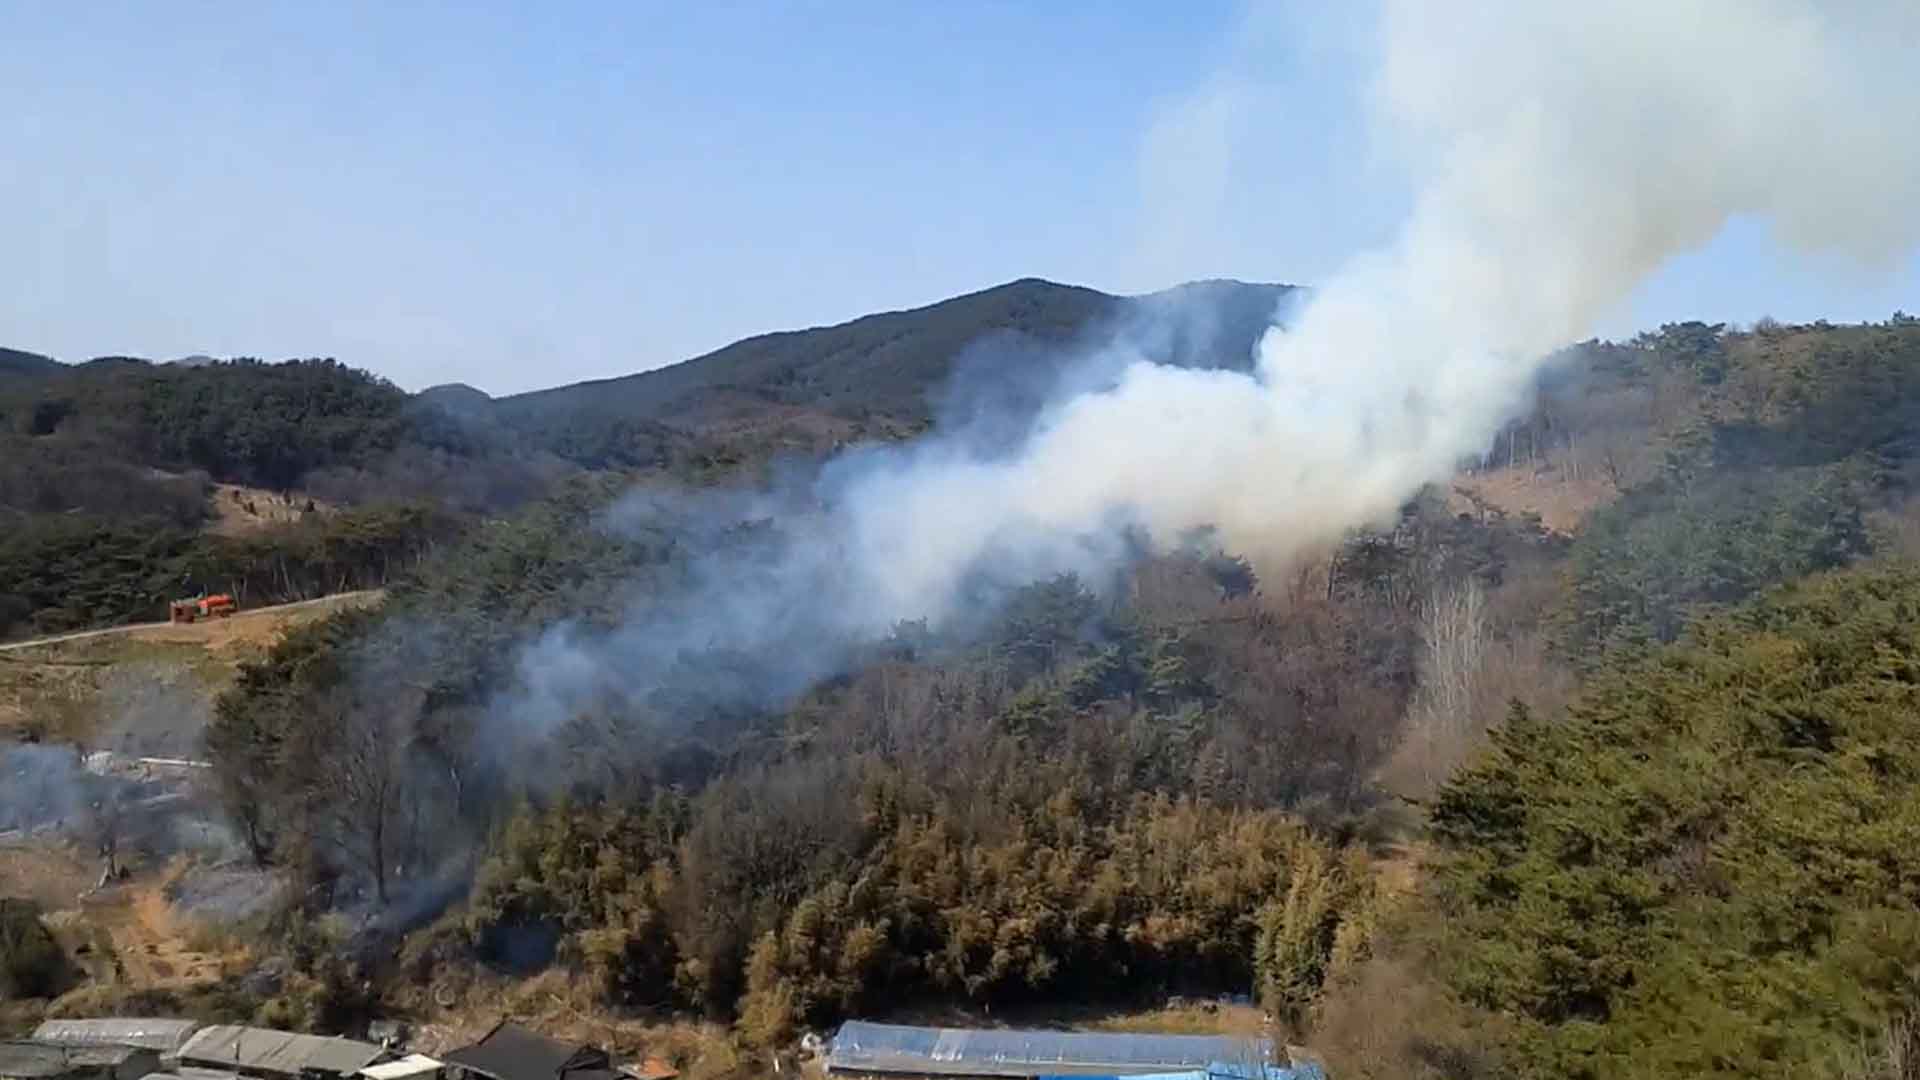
column 65, row 690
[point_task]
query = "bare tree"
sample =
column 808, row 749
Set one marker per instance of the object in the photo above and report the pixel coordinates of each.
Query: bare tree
column 361, row 787
column 109, row 824
column 1454, row 638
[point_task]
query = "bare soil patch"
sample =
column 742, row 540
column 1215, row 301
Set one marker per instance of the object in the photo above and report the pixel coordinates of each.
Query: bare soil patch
column 1548, row 490
column 238, row 510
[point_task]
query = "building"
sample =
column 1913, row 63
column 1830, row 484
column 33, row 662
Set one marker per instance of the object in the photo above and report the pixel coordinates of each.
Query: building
column 1299, row 1070
column 163, row 1036
column 411, row 1067
column 276, row 1055
column 860, row 1049
column 189, row 1072
column 511, row 1052
column 25, row 1059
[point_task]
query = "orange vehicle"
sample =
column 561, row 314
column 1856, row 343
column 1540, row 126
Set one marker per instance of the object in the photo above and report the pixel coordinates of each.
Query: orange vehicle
column 217, row 606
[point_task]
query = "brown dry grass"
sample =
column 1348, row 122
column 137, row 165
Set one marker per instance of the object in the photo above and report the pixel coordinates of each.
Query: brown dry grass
column 1190, row 1018
column 52, row 875
column 157, row 948
column 1388, row 1021
column 1243, row 1021
column 54, row 691
column 126, row 936
column 1546, row 489
column 238, row 510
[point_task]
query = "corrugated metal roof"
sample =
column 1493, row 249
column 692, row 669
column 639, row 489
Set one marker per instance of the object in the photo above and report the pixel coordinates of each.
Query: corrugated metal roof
column 1221, row 1071
column 189, row 1072
column 264, row 1050
column 411, row 1065
column 860, row 1046
column 26, row 1059
column 154, row 1033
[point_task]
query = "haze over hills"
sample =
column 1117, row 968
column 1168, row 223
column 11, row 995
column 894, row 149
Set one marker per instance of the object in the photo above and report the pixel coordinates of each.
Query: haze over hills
column 1487, row 701
column 86, row 439
column 615, row 710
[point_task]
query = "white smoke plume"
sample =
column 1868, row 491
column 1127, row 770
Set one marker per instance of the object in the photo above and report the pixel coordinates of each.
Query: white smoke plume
column 1563, row 152
column 1560, row 153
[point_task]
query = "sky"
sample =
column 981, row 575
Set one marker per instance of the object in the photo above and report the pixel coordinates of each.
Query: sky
column 517, row 195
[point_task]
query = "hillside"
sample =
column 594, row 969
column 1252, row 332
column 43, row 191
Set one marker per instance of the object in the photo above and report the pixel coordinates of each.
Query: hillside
column 1393, row 773
column 889, row 363
column 804, row 392
column 20, row 362
column 123, row 478
column 146, row 687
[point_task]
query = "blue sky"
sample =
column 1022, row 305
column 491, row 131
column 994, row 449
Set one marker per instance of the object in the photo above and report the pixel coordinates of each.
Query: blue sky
column 519, row 195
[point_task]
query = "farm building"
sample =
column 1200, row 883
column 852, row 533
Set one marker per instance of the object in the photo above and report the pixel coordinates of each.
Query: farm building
column 866, row 1049
column 22, row 1059
column 163, row 1036
column 1305, row 1070
column 272, row 1055
column 188, row 1072
column 511, row 1052
column 411, row 1067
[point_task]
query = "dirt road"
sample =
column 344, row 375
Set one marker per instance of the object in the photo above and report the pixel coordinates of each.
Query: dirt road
column 206, row 626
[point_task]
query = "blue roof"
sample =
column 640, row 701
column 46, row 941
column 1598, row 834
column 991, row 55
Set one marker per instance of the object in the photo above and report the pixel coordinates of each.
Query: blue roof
column 1218, row 1070
column 860, row 1046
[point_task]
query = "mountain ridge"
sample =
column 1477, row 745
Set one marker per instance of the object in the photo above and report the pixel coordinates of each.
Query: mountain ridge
column 1054, row 310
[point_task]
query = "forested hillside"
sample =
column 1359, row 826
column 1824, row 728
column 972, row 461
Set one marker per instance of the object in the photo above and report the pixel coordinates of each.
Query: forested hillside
column 880, row 377
column 1613, row 795
column 106, row 466
column 106, row 473
column 1705, row 867
column 1195, row 778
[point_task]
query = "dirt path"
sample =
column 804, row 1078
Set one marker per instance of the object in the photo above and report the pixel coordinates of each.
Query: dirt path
column 237, row 624
column 78, row 635
column 151, row 946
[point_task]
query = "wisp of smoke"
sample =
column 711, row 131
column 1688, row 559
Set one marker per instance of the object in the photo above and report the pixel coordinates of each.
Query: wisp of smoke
column 40, row 787
column 1562, row 153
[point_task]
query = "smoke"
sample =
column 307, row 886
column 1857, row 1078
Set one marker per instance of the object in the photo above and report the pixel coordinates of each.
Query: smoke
column 1560, row 155
column 41, row 787
column 782, row 586
column 1564, row 152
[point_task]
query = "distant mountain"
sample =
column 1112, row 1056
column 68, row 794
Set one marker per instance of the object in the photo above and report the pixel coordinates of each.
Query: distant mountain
column 457, row 398
column 888, row 376
column 21, row 362
column 880, row 375
column 889, row 362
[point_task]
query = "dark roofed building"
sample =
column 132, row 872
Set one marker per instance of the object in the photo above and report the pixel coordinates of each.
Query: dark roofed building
column 22, row 1059
column 511, row 1052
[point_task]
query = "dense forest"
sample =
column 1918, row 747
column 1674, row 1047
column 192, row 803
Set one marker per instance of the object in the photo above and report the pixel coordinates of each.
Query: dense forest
column 106, row 473
column 1705, row 867
column 1594, row 763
